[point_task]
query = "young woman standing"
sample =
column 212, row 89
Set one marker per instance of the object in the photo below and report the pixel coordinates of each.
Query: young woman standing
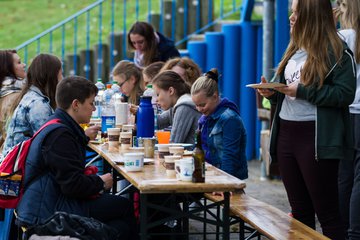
column 319, row 71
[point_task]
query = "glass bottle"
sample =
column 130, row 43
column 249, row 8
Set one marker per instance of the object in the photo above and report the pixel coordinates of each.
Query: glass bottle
column 199, row 160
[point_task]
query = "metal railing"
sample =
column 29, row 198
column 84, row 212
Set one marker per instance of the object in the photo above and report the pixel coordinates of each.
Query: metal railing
column 177, row 19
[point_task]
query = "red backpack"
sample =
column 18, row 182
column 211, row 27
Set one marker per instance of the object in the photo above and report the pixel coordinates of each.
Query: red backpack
column 12, row 170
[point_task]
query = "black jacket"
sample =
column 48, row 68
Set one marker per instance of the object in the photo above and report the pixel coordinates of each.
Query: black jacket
column 54, row 175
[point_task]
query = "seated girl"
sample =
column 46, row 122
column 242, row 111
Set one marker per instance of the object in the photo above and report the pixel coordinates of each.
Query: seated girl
column 223, row 135
column 173, row 92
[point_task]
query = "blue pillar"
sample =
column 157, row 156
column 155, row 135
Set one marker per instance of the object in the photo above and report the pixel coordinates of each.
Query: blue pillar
column 259, row 61
column 214, row 53
column 247, row 75
column 197, row 52
column 281, row 29
column 231, row 72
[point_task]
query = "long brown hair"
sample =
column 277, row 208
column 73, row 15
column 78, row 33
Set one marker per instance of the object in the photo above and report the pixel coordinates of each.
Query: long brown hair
column 43, row 74
column 350, row 19
column 7, row 68
column 315, row 32
column 147, row 31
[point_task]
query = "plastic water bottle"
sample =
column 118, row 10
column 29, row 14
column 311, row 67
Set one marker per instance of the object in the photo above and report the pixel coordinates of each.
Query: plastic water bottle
column 98, row 99
column 145, row 118
column 107, row 111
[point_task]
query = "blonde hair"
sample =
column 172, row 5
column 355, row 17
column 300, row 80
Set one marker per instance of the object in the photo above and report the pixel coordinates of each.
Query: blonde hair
column 350, row 19
column 207, row 83
column 128, row 69
column 192, row 70
column 315, row 32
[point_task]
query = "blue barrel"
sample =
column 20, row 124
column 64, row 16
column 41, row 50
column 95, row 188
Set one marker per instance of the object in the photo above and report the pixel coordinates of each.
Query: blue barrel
column 197, row 52
column 145, row 118
column 231, row 73
column 215, row 53
column 247, row 76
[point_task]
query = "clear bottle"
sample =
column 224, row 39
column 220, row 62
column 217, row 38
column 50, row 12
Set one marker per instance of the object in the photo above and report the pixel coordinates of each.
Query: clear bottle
column 107, row 111
column 199, row 160
column 98, row 99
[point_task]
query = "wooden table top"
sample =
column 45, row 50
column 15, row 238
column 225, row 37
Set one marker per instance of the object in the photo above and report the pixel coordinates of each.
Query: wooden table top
column 153, row 179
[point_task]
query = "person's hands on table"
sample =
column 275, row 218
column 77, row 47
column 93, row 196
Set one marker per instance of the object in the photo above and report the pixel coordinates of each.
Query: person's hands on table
column 133, row 109
column 92, row 131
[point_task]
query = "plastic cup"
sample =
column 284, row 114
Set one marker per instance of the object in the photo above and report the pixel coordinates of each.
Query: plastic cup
column 163, row 137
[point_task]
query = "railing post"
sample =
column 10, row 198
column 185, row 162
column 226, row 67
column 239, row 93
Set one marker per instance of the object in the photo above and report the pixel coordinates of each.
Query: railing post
column 180, row 22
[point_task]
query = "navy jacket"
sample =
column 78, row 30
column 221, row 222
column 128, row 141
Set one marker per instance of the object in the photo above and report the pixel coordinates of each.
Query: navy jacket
column 54, row 174
column 166, row 49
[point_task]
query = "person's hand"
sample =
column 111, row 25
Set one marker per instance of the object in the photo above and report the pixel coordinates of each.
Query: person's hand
column 336, row 14
column 289, row 89
column 133, row 109
column 92, row 131
column 265, row 92
column 108, row 180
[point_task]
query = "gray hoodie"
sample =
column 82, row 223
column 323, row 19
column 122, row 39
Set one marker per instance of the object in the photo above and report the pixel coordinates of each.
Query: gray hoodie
column 183, row 118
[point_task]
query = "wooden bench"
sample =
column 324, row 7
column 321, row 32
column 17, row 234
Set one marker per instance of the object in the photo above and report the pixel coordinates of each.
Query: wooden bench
column 266, row 219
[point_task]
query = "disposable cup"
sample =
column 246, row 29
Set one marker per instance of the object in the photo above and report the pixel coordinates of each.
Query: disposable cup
column 163, row 137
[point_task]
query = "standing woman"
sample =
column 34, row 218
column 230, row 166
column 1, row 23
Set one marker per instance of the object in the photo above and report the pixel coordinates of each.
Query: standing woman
column 319, row 71
column 223, row 135
column 349, row 174
column 174, row 93
column 150, row 46
column 12, row 73
column 36, row 101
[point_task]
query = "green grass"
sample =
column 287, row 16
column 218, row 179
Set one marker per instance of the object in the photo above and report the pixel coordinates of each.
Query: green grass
column 24, row 19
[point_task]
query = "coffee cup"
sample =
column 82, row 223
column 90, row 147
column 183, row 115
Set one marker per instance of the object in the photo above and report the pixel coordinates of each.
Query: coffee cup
column 176, row 150
column 133, row 162
column 184, row 169
column 169, row 164
column 113, row 135
column 126, row 140
column 163, row 150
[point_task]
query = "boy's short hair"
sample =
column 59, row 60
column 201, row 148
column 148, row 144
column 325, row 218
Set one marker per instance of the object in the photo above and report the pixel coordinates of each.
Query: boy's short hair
column 71, row 88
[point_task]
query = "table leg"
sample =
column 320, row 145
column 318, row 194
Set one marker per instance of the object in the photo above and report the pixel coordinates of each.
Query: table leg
column 226, row 218
column 143, row 216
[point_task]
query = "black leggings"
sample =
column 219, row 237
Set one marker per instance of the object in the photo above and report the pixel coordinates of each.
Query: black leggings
column 311, row 185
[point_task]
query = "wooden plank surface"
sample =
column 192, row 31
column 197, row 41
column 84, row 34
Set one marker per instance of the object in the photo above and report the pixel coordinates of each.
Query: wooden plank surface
column 153, row 179
column 268, row 220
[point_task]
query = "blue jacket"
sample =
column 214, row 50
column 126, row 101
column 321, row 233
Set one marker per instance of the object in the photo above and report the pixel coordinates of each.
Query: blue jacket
column 224, row 139
column 54, row 174
column 31, row 113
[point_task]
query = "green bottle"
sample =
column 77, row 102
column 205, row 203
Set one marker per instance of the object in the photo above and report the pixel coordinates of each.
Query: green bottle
column 199, row 161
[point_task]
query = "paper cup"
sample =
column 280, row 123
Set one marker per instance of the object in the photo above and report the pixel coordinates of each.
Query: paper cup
column 184, row 168
column 114, row 136
column 121, row 112
column 126, row 140
column 169, row 164
column 176, row 151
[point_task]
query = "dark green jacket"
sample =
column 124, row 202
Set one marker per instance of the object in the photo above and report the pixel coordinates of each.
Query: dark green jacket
column 334, row 133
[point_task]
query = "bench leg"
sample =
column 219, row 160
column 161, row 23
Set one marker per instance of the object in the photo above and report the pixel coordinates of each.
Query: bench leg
column 226, row 217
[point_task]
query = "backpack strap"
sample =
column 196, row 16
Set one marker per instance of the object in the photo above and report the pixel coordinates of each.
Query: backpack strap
column 52, row 121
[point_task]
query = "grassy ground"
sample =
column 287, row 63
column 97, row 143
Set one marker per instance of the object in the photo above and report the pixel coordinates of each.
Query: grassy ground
column 24, row 19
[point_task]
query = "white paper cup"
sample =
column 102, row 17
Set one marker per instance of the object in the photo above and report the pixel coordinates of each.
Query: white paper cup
column 176, row 151
column 133, row 162
column 169, row 164
column 125, row 140
column 114, row 136
column 121, row 112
